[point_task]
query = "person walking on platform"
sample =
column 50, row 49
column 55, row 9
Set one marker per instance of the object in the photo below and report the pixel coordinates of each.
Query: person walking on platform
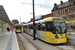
column 8, row 29
column 11, row 28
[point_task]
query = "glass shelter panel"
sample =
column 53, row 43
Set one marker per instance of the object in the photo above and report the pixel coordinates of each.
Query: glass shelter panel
column 1, row 28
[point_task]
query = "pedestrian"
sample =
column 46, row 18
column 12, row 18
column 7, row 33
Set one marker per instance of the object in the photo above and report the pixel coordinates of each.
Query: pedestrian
column 11, row 28
column 8, row 29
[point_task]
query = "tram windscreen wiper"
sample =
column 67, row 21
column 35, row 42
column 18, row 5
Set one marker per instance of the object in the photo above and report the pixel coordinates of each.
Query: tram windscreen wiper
column 57, row 30
column 60, row 28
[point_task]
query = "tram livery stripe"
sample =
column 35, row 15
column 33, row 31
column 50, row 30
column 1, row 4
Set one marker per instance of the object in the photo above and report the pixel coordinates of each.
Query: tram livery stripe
column 9, row 45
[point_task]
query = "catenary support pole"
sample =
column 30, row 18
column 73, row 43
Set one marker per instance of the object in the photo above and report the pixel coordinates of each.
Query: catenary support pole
column 34, row 38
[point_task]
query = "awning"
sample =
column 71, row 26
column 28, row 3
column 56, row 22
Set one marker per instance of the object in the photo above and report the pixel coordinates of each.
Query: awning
column 3, row 15
column 71, row 15
column 64, row 16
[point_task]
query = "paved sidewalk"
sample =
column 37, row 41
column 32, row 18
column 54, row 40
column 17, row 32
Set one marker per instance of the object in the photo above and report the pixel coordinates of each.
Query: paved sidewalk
column 8, row 41
column 71, row 38
column 71, row 34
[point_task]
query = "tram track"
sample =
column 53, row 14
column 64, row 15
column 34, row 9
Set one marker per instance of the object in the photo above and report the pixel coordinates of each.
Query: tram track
column 20, row 43
column 26, row 44
column 38, row 48
column 58, row 47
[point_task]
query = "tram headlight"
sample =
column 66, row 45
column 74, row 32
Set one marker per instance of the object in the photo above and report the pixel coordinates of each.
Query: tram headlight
column 56, row 37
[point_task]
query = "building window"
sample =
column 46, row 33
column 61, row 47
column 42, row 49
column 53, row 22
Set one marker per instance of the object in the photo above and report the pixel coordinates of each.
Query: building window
column 56, row 13
column 73, row 8
column 53, row 13
column 60, row 11
column 68, row 10
column 64, row 11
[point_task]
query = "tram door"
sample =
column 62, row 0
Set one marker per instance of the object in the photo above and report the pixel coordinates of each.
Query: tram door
column 1, row 28
column 48, row 36
column 48, row 28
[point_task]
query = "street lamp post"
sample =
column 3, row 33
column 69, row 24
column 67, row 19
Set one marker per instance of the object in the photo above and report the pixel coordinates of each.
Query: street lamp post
column 34, row 38
column 20, row 19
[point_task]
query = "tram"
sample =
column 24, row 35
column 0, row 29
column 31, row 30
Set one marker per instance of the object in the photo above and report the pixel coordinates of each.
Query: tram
column 18, row 28
column 51, row 30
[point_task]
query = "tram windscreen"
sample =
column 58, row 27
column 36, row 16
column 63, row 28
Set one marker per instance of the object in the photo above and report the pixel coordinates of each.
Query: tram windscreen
column 18, row 27
column 60, row 26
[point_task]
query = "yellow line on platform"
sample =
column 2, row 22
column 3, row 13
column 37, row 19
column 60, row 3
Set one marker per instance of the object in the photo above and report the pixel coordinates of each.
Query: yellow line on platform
column 17, row 43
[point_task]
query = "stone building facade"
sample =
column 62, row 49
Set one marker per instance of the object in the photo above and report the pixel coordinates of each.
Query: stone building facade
column 65, row 10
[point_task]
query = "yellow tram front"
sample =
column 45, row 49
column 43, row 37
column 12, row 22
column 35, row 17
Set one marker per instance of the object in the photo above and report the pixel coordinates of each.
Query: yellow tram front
column 18, row 28
column 56, row 32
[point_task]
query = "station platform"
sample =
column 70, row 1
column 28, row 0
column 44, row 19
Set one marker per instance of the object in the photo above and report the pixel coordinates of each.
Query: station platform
column 8, row 41
column 71, row 38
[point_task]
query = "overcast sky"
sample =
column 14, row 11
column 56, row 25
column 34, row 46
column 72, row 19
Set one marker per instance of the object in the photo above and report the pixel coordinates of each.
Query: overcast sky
column 16, row 9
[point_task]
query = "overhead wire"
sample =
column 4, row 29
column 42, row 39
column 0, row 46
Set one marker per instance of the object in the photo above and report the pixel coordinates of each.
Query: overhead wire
column 20, row 12
column 21, row 7
column 44, row 3
column 36, row 4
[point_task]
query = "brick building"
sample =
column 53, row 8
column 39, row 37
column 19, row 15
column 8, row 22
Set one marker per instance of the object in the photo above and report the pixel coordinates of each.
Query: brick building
column 47, row 15
column 41, row 17
column 65, row 10
column 31, row 20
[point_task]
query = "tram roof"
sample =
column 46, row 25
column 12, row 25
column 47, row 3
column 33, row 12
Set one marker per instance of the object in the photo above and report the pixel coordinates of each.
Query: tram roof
column 40, row 21
column 48, row 19
column 51, row 18
column 44, row 20
column 3, row 14
column 28, row 23
column 25, row 24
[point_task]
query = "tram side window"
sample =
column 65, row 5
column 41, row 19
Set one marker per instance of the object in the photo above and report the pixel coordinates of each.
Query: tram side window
column 26, row 27
column 43, row 26
column 31, row 26
column 40, row 26
column 37, row 27
column 48, row 26
column 52, row 27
